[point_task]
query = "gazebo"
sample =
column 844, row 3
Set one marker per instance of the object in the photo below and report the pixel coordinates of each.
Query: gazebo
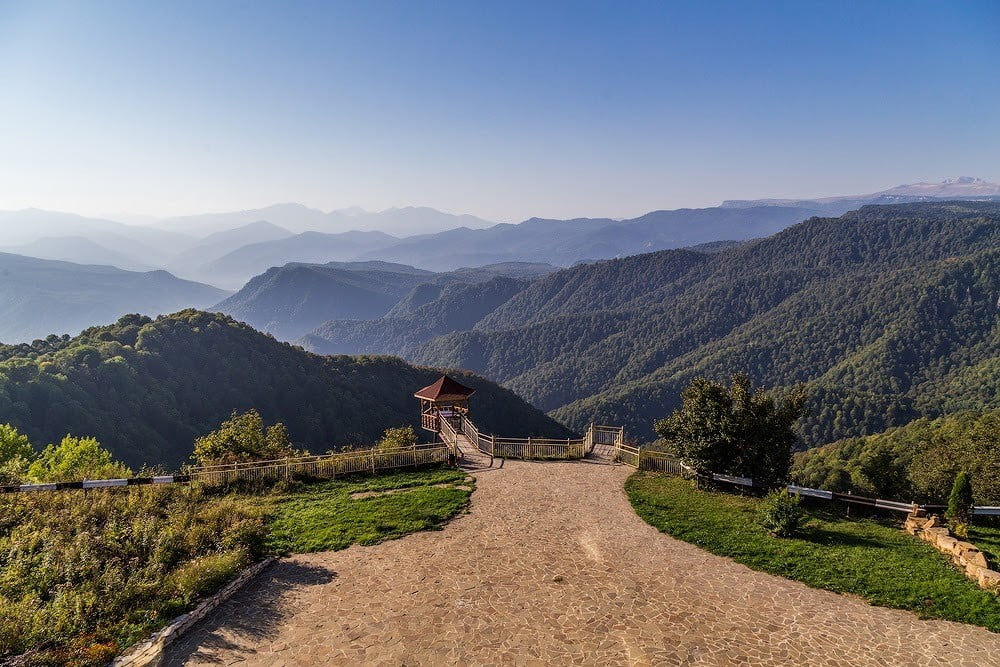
column 445, row 399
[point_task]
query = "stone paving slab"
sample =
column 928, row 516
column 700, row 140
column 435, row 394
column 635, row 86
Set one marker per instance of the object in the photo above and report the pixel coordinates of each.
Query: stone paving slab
column 552, row 567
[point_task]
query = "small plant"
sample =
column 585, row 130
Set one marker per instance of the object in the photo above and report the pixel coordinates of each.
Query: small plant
column 781, row 514
column 960, row 503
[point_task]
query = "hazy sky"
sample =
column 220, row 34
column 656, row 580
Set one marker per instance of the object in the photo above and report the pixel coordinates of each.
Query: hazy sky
column 502, row 109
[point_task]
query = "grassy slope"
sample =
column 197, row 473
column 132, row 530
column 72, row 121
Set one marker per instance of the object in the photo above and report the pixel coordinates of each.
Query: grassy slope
column 84, row 577
column 987, row 538
column 875, row 561
column 324, row 516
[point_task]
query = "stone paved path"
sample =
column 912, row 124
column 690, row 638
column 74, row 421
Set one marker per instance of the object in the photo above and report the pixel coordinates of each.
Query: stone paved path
column 552, row 566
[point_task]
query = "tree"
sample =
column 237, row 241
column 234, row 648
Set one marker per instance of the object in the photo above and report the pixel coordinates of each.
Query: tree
column 243, row 437
column 76, row 459
column 398, row 438
column 16, row 454
column 960, row 503
column 736, row 430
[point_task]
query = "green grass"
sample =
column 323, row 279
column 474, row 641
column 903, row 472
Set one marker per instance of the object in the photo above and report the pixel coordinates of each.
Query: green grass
column 323, row 516
column 987, row 538
column 871, row 559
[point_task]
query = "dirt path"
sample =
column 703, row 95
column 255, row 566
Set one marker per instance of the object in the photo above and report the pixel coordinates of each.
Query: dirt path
column 552, row 566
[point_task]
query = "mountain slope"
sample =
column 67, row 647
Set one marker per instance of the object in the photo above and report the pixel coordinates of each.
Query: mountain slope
column 80, row 250
column 191, row 262
column 39, row 297
column 291, row 300
column 146, row 389
column 881, row 311
column 429, row 310
column 236, row 267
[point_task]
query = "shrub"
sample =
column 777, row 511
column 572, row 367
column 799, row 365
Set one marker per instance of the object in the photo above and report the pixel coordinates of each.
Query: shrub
column 76, row 459
column 397, row 438
column 243, row 437
column 960, row 501
column 206, row 574
column 780, row 513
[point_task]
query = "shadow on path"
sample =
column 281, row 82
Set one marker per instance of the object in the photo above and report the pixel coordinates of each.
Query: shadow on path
column 251, row 617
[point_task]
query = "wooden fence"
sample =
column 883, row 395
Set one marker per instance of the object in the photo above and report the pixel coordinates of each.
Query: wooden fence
column 331, row 465
column 323, row 467
column 529, row 448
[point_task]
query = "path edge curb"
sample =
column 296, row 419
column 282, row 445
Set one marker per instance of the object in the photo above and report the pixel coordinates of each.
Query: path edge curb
column 150, row 651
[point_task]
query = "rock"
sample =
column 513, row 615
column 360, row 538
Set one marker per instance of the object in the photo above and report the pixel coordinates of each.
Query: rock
column 947, row 543
column 990, row 580
column 975, row 558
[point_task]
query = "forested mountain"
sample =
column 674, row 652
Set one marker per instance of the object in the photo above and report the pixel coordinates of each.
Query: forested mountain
column 39, row 297
column 429, row 310
column 890, row 313
column 291, row 300
column 146, row 389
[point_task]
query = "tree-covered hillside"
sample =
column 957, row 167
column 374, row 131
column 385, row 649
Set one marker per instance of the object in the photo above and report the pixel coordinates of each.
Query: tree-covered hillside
column 147, row 388
column 890, row 313
column 429, row 310
column 918, row 461
column 290, row 300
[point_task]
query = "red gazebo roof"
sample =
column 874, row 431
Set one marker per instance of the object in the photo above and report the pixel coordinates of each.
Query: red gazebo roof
column 445, row 389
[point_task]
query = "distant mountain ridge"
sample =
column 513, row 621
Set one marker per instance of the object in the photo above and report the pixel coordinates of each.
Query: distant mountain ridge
column 966, row 188
column 227, row 249
column 39, row 297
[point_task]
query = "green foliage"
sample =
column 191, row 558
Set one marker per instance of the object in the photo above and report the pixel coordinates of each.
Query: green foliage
column 16, row 454
column 205, row 574
column 428, row 311
column 918, row 461
column 75, row 459
column 338, row 513
column 888, row 314
column 147, row 388
column 243, row 437
column 737, row 429
column 397, row 438
column 781, row 513
column 86, row 574
column 959, row 510
column 872, row 560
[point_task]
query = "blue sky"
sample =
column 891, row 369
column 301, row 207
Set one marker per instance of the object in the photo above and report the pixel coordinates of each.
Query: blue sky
column 501, row 109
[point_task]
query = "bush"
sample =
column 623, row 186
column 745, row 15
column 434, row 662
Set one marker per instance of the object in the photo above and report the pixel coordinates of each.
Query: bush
column 206, row 574
column 960, row 501
column 397, row 438
column 780, row 513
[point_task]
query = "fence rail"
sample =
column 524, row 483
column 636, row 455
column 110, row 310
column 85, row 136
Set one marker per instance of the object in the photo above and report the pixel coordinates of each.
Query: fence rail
column 331, row 465
column 529, row 448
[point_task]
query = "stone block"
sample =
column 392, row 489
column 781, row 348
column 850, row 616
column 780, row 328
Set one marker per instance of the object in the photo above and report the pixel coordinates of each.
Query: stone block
column 990, row 580
column 947, row 544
